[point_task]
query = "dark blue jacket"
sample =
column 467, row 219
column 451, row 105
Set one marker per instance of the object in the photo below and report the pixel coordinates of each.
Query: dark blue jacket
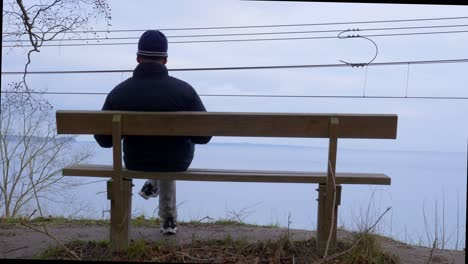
column 152, row 89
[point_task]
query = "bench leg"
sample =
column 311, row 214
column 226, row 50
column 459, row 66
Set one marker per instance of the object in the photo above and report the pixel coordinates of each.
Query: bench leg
column 324, row 219
column 121, row 208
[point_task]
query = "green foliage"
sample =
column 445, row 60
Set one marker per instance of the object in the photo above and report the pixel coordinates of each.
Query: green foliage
column 50, row 253
column 230, row 222
column 52, row 221
column 227, row 250
column 368, row 250
column 137, row 249
column 141, row 220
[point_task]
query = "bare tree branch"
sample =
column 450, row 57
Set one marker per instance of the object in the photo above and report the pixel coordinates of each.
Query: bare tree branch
column 47, row 21
column 31, row 149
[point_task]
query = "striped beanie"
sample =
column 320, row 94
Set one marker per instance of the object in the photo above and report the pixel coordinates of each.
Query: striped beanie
column 152, row 43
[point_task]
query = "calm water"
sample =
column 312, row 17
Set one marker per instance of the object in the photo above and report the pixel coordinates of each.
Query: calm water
column 430, row 182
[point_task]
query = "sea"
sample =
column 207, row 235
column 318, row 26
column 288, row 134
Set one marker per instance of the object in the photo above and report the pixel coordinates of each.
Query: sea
column 426, row 198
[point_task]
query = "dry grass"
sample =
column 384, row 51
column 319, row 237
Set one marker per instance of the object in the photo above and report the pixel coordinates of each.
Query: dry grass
column 228, row 250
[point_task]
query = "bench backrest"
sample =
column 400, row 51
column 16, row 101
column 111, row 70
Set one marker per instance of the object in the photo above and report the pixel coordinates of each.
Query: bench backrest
column 228, row 124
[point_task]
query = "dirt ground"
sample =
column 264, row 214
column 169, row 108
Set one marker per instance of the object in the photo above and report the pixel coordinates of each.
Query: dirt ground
column 21, row 242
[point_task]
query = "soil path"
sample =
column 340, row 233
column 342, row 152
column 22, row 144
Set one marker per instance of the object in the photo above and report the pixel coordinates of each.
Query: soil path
column 21, row 242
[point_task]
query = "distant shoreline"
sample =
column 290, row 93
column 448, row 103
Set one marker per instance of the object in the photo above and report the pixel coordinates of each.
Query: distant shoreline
column 307, row 147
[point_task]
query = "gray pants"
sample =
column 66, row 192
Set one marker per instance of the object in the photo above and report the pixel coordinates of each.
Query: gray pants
column 167, row 198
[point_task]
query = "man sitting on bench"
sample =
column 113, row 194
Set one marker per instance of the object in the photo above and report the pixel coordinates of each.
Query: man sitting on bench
column 152, row 89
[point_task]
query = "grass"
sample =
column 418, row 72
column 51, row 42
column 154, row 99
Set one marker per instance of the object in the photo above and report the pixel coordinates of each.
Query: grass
column 90, row 247
column 227, row 250
column 368, row 250
column 282, row 250
column 135, row 221
column 51, row 221
column 231, row 222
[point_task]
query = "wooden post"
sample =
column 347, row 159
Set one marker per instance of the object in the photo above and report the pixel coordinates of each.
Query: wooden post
column 127, row 203
column 328, row 201
column 322, row 220
column 121, row 194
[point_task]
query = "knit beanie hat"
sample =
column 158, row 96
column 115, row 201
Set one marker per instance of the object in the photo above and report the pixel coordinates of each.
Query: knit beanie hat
column 152, row 43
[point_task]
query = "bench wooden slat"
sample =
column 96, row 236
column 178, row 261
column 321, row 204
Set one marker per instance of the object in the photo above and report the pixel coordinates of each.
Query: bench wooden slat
column 228, row 124
column 231, row 175
column 332, row 126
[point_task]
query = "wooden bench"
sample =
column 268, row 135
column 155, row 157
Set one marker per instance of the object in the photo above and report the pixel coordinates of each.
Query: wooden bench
column 332, row 126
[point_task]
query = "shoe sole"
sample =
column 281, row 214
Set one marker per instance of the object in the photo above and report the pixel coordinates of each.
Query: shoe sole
column 169, row 231
column 146, row 197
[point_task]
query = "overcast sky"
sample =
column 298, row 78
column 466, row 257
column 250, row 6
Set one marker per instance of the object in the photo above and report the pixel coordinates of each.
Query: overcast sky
column 423, row 124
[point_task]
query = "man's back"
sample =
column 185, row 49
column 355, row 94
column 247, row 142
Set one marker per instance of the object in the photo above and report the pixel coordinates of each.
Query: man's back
column 152, row 89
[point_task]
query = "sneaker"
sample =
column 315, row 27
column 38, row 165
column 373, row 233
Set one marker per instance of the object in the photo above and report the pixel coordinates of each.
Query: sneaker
column 169, row 227
column 148, row 191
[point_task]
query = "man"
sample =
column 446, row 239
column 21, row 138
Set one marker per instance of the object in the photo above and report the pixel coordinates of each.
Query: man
column 152, row 89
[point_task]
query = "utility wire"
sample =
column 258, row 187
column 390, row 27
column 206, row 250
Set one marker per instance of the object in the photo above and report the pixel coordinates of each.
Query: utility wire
column 172, row 42
column 196, row 35
column 265, row 95
column 238, row 40
column 249, row 34
column 391, row 63
column 262, row 26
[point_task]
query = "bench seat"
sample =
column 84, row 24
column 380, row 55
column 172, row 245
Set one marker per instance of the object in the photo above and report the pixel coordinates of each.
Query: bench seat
column 119, row 124
column 230, row 175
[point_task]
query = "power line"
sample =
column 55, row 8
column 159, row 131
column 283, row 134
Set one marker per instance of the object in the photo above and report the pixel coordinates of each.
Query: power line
column 264, row 26
column 267, row 95
column 172, row 42
column 239, row 40
column 198, row 35
column 249, row 34
column 337, row 65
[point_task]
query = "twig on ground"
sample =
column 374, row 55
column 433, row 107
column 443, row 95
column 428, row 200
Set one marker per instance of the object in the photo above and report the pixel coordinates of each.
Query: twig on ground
column 333, row 212
column 13, row 250
column 71, row 252
column 180, row 204
column 162, row 257
column 46, row 231
column 434, row 245
column 206, row 217
column 81, row 209
column 145, row 237
column 29, row 217
column 181, row 253
column 240, row 215
column 426, row 225
column 192, row 258
column 108, row 249
column 357, row 241
column 458, row 222
column 443, row 218
column 104, row 211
